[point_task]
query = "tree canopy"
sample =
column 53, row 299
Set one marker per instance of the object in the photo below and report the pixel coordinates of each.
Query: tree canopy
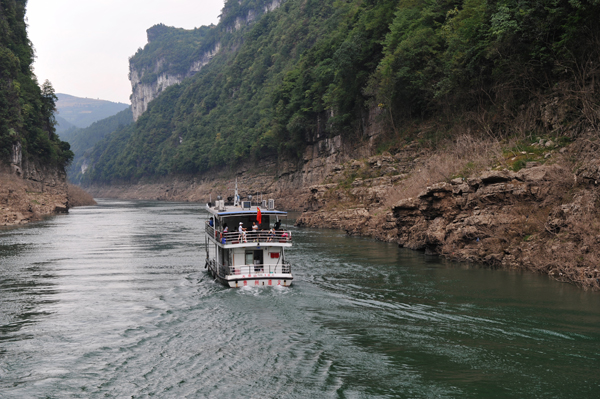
column 26, row 109
column 316, row 67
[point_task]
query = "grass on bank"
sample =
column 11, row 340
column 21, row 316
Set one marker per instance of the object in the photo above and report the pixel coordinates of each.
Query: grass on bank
column 79, row 197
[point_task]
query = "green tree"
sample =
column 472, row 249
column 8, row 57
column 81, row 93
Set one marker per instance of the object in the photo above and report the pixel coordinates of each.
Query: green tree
column 48, row 108
column 26, row 110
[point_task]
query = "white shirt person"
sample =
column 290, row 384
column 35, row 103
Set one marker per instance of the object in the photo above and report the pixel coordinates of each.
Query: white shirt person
column 242, row 232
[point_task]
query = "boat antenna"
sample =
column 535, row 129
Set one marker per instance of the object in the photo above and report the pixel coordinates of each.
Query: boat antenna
column 236, row 201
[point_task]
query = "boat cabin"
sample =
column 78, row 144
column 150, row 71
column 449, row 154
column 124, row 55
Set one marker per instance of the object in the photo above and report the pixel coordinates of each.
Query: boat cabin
column 246, row 245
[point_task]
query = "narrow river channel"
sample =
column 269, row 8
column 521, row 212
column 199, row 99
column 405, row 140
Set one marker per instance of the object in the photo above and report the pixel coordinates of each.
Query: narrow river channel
column 113, row 301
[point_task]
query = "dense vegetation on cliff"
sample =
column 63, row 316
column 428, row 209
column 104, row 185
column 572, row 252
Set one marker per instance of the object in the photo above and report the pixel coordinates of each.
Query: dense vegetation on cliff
column 319, row 67
column 83, row 140
column 174, row 49
column 26, row 109
column 82, row 112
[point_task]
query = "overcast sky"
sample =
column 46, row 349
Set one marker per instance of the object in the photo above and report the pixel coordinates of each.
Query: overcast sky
column 83, row 46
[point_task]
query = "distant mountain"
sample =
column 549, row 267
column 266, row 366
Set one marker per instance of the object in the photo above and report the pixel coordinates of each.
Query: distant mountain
column 62, row 125
column 82, row 140
column 82, row 112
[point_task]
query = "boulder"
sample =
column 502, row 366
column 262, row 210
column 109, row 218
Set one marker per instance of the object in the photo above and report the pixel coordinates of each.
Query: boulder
column 496, row 176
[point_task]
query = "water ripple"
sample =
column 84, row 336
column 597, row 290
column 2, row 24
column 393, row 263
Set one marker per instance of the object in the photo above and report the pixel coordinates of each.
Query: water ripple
column 113, row 301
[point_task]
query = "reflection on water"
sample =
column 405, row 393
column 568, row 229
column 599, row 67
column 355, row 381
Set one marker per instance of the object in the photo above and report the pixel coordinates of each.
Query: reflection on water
column 113, row 301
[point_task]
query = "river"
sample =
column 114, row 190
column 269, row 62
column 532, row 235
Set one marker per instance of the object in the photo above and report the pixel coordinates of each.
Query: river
column 113, row 301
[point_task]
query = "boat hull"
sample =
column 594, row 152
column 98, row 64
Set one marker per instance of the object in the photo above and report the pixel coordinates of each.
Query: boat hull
column 253, row 280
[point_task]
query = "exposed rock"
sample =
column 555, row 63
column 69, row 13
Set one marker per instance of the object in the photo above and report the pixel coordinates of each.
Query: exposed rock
column 37, row 192
column 516, row 206
column 496, row 176
column 500, row 218
column 589, row 173
column 144, row 92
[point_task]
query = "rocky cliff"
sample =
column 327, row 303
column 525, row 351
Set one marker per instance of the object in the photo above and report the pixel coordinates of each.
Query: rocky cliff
column 30, row 190
column 32, row 157
column 543, row 218
column 144, row 92
column 169, row 66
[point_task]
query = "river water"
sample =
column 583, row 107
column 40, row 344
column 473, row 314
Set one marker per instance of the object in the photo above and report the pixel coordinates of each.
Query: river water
column 113, row 301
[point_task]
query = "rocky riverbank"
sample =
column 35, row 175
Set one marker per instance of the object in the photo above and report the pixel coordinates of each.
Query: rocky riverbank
column 39, row 193
column 539, row 219
column 543, row 218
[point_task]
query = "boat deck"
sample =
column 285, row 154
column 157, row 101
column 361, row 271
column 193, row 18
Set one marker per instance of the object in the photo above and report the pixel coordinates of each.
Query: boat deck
column 250, row 238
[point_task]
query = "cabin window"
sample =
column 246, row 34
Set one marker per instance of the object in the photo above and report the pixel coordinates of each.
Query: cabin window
column 259, row 257
column 249, row 257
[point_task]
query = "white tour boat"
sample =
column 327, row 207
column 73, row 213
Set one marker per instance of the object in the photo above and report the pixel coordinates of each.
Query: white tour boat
column 239, row 255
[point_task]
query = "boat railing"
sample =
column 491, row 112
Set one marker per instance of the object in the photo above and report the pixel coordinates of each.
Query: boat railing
column 281, row 268
column 260, row 236
column 248, row 270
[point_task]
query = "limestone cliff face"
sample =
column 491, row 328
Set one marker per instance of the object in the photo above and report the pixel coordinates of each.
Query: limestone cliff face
column 273, row 5
column 30, row 190
column 541, row 219
column 290, row 183
column 144, row 91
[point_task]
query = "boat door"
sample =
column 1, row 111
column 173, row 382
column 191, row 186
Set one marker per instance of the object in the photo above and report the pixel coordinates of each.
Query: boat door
column 256, row 258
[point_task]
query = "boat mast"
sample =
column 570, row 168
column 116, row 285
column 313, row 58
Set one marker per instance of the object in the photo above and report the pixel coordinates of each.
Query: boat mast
column 236, row 201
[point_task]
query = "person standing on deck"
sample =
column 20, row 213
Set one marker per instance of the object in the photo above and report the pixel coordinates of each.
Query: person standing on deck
column 255, row 231
column 242, row 232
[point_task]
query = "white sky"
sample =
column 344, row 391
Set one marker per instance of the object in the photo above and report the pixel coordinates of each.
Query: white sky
column 83, row 46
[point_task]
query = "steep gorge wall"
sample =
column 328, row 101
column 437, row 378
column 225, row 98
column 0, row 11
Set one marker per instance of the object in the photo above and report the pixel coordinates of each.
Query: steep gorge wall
column 30, row 190
column 144, row 92
column 287, row 181
column 32, row 156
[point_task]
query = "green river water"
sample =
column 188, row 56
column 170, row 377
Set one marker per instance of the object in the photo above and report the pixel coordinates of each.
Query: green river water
column 113, row 301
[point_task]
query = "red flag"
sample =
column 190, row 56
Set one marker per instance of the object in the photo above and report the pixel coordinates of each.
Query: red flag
column 258, row 216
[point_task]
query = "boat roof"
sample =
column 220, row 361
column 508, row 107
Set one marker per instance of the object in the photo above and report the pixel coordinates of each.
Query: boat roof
column 230, row 210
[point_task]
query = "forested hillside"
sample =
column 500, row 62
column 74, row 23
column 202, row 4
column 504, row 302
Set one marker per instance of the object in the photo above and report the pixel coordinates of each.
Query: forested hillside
column 179, row 48
column 324, row 67
column 83, row 140
column 82, row 112
column 26, row 109
column 62, row 125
